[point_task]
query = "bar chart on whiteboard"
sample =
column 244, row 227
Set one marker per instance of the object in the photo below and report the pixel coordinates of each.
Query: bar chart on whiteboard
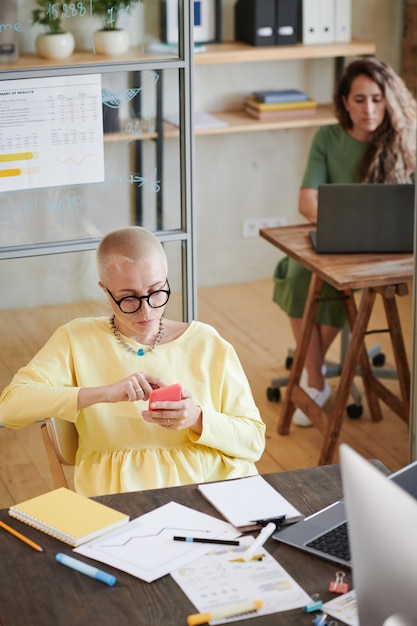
column 51, row 132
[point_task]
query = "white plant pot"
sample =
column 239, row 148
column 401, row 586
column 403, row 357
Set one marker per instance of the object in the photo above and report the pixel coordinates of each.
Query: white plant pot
column 55, row 45
column 111, row 42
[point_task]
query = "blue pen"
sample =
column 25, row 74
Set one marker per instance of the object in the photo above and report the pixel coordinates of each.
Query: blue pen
column 88, row 570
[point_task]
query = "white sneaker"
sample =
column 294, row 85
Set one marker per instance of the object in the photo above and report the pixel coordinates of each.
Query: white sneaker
column 304, row 376
column 319, row 397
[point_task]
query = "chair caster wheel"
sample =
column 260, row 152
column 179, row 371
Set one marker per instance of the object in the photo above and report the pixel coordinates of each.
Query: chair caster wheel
column 288, row 362
column 379, row 359
column 273, row 394
column 354, row 411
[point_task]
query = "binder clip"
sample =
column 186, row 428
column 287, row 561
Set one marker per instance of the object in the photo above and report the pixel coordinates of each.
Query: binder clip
column 320, row 620
column 278, row 521
column 338, row 586
column 315, row 605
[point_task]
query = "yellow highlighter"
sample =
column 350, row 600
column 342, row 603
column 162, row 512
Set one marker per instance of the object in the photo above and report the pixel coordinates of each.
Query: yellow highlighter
column 227, row 611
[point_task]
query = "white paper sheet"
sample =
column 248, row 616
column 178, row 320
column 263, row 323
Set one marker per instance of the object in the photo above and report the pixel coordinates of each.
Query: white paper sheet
column 344, row 608
column 244, row 500
column 144, row 547
column 52, row 132
column 214, row 580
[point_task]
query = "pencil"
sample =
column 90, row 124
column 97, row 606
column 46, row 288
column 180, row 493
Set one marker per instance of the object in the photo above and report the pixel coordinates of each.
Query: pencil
column 14, row 532
column 227, row 542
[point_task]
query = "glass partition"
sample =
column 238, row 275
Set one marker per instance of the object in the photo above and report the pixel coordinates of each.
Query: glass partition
column 92, row 141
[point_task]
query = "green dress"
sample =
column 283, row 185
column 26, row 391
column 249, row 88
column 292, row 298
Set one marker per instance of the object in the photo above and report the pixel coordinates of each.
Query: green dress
column 334, row 157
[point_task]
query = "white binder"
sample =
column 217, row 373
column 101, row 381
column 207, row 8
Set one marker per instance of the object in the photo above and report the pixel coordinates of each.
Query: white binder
column 310, row 21
column 343, row 20
column 327, row 31
column 318, row 21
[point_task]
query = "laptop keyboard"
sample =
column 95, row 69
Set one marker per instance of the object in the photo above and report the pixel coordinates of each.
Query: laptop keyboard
column 334, row 543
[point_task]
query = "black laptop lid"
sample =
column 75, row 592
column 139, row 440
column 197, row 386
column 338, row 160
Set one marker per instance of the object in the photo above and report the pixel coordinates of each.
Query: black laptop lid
column 357, row 218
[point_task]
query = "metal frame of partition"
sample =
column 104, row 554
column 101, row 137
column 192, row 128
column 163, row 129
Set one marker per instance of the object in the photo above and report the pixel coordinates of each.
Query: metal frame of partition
column 184, row 235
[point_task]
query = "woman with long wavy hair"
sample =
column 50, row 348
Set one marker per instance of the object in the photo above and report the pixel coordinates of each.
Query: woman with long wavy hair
column 374, row 142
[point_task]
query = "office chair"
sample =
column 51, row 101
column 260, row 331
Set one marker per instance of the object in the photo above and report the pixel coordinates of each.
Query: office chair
column 61, row 442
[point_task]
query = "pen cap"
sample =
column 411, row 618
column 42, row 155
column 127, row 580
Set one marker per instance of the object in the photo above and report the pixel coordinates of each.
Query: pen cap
column 106, row 578
column 198, row 618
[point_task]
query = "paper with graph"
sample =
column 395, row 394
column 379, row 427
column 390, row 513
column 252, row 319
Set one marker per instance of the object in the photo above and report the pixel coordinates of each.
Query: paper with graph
column 145, row 547
column 51, row 132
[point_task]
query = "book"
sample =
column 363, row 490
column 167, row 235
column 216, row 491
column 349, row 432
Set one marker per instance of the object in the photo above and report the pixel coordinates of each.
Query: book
column 271, row 116
column 245, row 501
column 279, row 106
column 68, row 516
column 280, row 95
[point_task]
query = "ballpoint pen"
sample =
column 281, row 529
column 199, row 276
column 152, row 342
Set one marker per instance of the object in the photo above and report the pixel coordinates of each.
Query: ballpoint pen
column 227, row 542
column 14, row 532
column 278, row 521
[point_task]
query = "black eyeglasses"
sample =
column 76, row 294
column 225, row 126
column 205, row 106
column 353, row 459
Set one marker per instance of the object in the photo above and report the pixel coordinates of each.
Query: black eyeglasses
column 131, row 304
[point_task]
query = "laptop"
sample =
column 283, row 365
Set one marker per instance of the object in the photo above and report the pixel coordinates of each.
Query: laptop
column 325, row 533
column 363, row 217
column 383, row 535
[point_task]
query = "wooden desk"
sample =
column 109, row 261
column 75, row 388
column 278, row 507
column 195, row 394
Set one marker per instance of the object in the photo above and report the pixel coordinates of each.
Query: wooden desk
column 34, row 589
column 386, row 274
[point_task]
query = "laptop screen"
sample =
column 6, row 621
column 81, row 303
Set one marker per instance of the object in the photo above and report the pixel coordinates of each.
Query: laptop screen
column 365, row 218
column 382, row 522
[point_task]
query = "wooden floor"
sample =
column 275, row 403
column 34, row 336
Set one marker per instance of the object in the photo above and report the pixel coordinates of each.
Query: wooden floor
column 246, row 316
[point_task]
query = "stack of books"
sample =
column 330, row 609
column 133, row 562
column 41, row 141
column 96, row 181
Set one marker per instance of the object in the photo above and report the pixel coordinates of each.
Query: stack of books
column 279, row 104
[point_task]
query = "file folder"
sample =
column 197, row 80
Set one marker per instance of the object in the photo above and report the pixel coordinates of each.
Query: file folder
column 326, row 17
column 318, row 21
column 266, row 22
column 310, row 18
column 254, row 22
column 286, row 22
column 342, row 20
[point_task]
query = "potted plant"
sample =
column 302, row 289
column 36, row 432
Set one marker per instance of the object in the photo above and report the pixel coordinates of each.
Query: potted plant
column 112, row 39
column 56, row 43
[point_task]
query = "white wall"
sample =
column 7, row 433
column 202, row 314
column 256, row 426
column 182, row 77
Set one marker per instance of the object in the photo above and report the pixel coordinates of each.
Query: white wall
column 250, row 175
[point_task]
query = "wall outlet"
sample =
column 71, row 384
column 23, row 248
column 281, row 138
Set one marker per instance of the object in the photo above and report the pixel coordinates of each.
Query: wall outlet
column 251, row 227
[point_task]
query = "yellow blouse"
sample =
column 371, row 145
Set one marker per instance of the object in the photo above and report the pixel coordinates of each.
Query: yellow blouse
column 118, row 450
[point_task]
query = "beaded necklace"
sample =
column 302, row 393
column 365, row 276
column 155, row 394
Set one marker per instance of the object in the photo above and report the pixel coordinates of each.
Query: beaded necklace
column 141, row 351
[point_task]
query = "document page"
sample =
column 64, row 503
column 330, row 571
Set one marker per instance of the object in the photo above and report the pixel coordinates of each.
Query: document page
column 245, row 500
column 221, row 578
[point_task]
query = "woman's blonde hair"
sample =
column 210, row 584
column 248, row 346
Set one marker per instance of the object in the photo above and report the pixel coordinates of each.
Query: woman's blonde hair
column 391, row 157
column 131, row 244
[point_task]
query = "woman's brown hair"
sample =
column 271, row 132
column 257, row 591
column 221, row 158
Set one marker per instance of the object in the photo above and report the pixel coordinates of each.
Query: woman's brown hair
column 391, row 156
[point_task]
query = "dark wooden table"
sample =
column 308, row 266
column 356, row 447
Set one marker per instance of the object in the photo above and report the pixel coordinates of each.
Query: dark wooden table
column 35, row 590
column 383, row 274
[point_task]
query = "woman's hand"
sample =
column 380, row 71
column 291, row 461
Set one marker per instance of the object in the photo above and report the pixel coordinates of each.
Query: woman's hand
column 176, row 415
column 308, row 199
column 135, row 387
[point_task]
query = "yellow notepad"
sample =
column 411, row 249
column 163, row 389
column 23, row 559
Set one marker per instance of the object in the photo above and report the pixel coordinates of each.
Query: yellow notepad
column 68, row 516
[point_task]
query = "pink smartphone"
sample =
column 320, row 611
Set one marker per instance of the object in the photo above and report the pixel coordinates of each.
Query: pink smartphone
column 169, row 393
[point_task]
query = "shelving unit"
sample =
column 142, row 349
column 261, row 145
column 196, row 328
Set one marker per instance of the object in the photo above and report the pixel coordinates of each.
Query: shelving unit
column 236, row 52
column 229, row 52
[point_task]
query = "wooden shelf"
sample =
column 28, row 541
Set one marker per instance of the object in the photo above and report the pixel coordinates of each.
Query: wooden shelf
column 237, row 52
column 84, row 57
column 240, row 122
column 227, row 52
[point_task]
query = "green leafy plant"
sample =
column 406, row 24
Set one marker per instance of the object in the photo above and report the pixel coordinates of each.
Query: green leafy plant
column 113, row 13
column 49, row 14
